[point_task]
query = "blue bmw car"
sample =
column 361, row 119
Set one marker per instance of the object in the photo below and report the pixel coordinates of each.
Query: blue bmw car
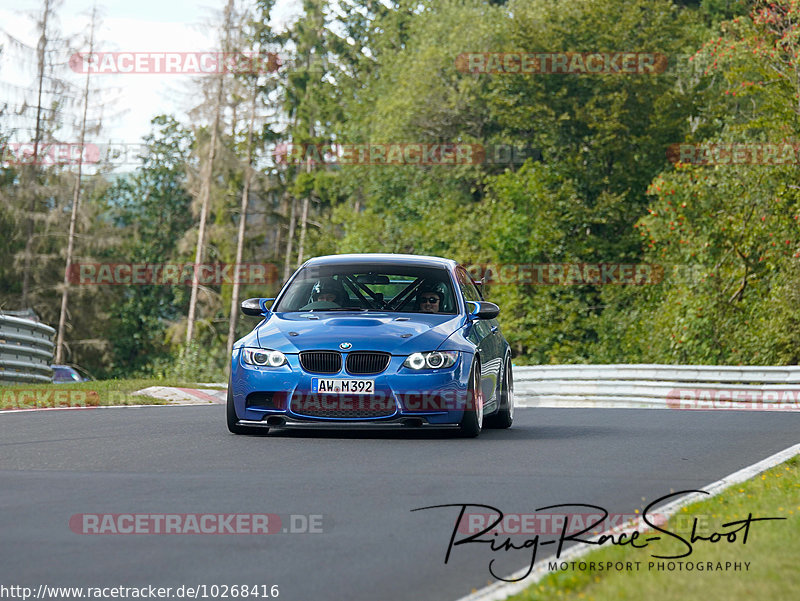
column 378, row 339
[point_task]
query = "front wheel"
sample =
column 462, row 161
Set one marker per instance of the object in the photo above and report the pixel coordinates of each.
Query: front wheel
column 233, row 420
column 472, row 421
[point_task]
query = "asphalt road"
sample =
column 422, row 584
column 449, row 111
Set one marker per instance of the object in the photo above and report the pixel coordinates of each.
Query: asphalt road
column 165, row 460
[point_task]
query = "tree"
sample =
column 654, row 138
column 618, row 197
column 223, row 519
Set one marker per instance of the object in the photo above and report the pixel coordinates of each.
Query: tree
column 75, row 204
column 151, row 210
column 263, row 40
column 208, row 170
column 732, row 231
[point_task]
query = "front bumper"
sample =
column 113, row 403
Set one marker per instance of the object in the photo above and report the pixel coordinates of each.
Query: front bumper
column 399, row 423
column 402, row 396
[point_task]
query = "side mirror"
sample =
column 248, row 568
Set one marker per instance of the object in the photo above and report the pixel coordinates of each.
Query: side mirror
column 257, row 307
column 483, row 310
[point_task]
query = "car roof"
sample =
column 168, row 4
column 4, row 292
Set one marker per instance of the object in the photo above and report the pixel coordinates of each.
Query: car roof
column 387, row 258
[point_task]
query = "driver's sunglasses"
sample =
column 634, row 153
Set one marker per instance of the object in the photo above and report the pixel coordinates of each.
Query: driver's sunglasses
column 429, row 299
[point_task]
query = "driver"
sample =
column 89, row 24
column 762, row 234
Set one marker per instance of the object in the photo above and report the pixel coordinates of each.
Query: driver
column 429, row 298
column 328, row 290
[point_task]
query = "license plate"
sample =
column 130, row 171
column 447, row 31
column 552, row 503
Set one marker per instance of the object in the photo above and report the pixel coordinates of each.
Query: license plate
column 351, row 386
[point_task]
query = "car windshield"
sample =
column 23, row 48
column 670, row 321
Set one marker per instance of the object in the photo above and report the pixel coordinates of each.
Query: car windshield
column 370, row 287
column 65, row 374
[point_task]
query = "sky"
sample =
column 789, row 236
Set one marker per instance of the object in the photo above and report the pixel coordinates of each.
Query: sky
column 143, row 26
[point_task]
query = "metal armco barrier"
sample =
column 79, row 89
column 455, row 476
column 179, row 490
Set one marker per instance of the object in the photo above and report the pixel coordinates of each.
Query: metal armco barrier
column 651, row 385
column 26, row 350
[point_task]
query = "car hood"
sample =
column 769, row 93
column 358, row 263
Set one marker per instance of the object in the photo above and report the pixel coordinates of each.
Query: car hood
column 396, row 333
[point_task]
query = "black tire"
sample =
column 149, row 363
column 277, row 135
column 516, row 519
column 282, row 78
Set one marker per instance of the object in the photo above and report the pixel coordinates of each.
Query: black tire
column 472, row 422
column 504, row 416
column 233, row 421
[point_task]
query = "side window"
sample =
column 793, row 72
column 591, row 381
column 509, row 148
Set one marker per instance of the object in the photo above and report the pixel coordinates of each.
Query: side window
column 467, row 287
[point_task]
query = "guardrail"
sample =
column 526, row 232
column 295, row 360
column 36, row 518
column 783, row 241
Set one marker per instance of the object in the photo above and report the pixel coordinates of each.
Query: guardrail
column 654, row 385
column 26, row 350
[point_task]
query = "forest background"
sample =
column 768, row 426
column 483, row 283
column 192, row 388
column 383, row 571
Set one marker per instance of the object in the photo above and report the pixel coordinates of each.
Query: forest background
column 580, row 169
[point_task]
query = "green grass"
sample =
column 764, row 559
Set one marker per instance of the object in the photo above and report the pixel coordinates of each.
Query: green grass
column 772, row 549
column 83, row 394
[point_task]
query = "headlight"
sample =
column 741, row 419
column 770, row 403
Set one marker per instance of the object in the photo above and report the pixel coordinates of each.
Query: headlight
column 432, row 360
column 263, row 357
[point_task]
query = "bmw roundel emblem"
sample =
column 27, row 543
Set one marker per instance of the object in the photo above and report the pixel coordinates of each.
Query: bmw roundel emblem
column 345, row 345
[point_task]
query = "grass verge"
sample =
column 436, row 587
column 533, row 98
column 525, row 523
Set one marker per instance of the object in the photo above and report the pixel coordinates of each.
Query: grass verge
column 772, row 550
column 105, row 393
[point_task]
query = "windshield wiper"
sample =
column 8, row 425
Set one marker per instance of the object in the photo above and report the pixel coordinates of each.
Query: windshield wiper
column 342, row 309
